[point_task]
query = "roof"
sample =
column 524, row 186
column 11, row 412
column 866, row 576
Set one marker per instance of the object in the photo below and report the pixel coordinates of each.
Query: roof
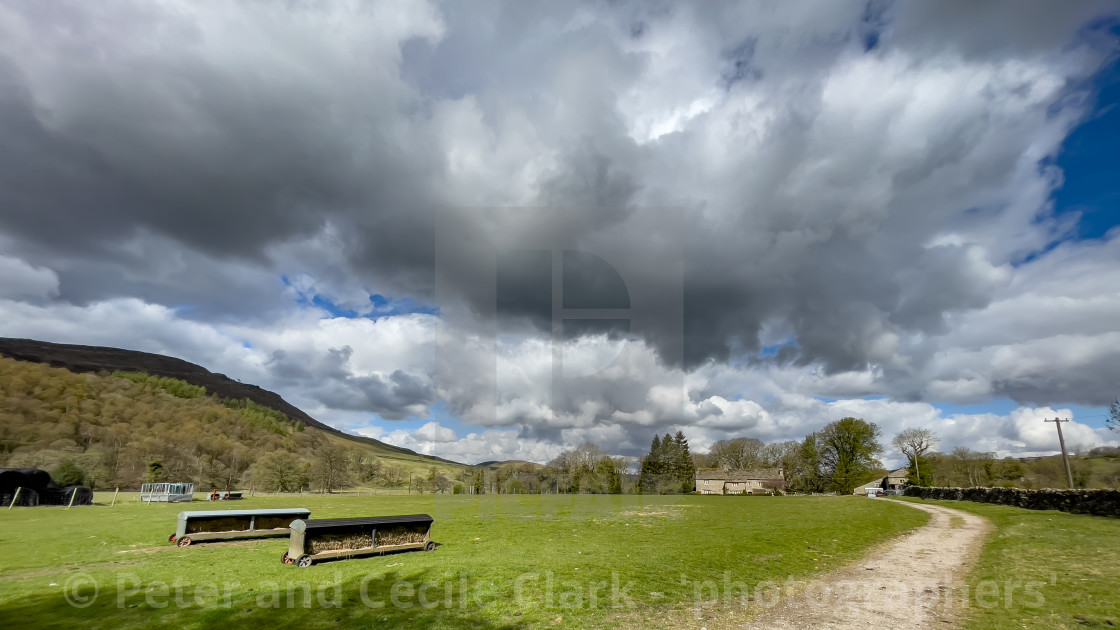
column 292, row 512
column 356, row 523
column 736, row 476
column 901, row 472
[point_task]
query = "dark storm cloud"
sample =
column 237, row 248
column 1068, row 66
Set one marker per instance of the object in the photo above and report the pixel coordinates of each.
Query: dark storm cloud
column 188, row 154
column 394, row 397
column 226, row 151
column 329, row 380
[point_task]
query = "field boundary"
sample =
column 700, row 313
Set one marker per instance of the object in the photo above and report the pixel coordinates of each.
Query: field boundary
column 1095, row 502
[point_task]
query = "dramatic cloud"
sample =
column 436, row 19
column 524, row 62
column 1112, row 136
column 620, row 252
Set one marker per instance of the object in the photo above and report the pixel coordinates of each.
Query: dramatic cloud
column 388, row 210
column 22, row 281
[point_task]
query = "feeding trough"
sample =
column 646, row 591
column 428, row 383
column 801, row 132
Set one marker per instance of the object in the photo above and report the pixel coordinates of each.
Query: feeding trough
column 230, row 524
column 354, row 537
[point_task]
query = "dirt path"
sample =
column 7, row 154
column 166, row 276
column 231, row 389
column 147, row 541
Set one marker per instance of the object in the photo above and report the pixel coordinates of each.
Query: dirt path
column 907, row 583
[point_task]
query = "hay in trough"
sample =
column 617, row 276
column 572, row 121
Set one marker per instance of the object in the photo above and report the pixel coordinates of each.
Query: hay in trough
column 340, row 542
column 401, row 535
column 274, row 522
column 228, row 524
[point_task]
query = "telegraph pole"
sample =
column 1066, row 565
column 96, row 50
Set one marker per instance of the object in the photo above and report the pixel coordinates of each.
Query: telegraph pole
column 1061, row 440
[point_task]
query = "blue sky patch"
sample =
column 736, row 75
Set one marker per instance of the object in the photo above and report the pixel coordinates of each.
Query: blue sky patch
column 380, row 305
column 1090, row 162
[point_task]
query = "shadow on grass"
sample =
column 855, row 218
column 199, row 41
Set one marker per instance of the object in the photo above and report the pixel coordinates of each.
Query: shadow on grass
column 387, row 600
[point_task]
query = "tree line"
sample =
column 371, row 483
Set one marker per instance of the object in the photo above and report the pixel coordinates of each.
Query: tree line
column 124, row 429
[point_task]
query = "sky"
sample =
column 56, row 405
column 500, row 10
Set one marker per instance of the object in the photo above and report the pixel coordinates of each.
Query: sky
column 497, row 230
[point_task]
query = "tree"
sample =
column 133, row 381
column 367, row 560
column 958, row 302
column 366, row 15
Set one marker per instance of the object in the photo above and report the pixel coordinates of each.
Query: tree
column 391, row 476
column 970, row 467
column 780, row 454
column 437, row 481
column 68, row 474
column 479, row 482
column 280, row 470
column 587, row 469
column 848, row 449
column 1113, row 420
column 738, row 454
column 685, row 468
column 913, row 443
column 155, row 471
column 366, row 468
column 803, row 473
column 331, row 469
column 652, row 467
column 668, row 467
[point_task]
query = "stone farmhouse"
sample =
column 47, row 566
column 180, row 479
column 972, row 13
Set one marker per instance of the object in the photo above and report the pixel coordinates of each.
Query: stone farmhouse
column 895, row 480
column 718, row 481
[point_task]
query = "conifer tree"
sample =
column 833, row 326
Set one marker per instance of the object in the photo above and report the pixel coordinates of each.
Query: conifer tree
column 686, row 468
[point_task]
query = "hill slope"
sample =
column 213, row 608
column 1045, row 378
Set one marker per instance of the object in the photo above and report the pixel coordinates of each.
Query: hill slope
column 82, row 359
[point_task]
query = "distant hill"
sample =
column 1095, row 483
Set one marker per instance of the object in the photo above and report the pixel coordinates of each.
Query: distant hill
column 496, row 464
column 85, row 359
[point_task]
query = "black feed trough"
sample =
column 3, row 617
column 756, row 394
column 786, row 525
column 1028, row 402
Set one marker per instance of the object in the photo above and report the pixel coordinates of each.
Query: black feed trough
column 314, row 540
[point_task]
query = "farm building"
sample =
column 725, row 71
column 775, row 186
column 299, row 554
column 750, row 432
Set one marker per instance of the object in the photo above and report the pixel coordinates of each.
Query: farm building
column 35, row 487
column 718, row 481
column 870, row 485
column 894, row 481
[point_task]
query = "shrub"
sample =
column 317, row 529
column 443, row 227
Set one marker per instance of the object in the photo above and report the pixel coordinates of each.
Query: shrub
column 68, row 474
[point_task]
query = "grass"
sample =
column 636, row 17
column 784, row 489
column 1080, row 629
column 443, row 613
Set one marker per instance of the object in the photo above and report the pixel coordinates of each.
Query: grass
column 1072, row 561
column 506, row 561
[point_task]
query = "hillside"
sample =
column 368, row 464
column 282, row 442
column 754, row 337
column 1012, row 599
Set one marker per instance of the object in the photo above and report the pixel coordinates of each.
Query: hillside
column 95, row 359
column 496, row 464
column 122, row 428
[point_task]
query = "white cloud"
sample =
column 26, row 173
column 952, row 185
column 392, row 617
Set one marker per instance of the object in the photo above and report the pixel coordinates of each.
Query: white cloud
column 885, row 214
column 476, row 447
column 433, row 432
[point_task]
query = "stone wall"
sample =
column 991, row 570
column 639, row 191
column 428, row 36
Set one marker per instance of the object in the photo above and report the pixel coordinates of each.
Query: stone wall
column 1097, row 502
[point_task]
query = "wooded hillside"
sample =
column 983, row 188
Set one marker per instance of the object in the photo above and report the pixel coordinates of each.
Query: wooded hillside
column 122, row 429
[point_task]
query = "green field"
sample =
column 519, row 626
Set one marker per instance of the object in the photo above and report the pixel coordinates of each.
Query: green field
column 1073, row 559
column 502, row 561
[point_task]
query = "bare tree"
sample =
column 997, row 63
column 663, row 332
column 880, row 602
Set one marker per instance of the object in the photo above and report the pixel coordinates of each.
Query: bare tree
column 330, row 470
column 737, row 454
column 1113, row 420
column 970, row 466
column 780, row 454
column 913, row 443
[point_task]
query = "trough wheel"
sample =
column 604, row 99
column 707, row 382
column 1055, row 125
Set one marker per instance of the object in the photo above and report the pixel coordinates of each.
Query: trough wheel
column 431, row 546
column 304, row 561
column 185, row 541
